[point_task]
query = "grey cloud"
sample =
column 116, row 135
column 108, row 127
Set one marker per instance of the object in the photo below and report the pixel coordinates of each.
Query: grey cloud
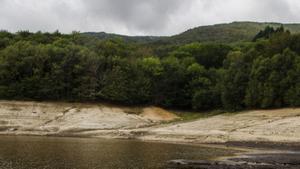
column 139, row 17
column 136, row 15
column 274, row 10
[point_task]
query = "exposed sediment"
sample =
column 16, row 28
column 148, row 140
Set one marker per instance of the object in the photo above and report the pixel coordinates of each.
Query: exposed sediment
column 145, row 123
column 281, row 125
column 78, row 119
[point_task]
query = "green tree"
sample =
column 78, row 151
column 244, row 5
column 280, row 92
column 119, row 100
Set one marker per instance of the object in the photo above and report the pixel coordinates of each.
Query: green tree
column 208, row 55
column 234, row 81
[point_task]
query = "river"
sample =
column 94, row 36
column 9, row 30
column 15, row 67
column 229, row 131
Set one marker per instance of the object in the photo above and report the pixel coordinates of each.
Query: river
column 24, row 152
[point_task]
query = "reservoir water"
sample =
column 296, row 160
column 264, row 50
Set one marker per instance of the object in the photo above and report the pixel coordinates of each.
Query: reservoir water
column 23, row 152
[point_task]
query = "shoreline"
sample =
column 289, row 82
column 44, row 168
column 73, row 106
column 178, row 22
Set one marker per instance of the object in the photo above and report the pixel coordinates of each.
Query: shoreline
column 249, row 155
column 146, row 123
column 270, row 138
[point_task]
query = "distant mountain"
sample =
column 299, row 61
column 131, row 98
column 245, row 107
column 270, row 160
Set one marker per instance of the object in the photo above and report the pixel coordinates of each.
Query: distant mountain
column 137, row 39
column 223, row 33
column 228, row 33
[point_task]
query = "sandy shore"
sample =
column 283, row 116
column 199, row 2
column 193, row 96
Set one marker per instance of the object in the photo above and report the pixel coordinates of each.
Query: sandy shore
column 146, row 123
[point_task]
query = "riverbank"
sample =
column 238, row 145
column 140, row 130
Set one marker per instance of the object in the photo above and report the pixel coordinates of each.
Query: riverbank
column 146, row 123
column 281, row 125
column 272, row 137
column 76, row 119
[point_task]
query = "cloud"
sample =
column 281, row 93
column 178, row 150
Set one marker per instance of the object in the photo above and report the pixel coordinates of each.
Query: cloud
column 139, row 17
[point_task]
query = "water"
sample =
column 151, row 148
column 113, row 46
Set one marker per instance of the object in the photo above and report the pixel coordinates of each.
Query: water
column 78, row 153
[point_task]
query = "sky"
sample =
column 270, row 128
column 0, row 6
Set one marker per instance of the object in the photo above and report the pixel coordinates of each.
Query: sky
column 139, row 17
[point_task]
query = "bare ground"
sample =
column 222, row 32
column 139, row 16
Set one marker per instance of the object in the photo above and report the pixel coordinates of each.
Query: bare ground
column 145, row 123
column 76, row 119
column 281, row 125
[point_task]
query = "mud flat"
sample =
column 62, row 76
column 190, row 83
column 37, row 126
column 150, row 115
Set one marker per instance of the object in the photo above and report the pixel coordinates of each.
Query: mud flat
column 258, row 156
column 261, row 161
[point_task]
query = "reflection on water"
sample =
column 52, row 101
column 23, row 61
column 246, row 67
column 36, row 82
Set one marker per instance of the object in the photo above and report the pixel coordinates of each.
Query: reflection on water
column 78, row 153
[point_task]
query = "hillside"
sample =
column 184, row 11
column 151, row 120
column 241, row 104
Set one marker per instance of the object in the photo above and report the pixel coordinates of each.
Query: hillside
column 225, row 33
column 134, row 39
column 199, row 76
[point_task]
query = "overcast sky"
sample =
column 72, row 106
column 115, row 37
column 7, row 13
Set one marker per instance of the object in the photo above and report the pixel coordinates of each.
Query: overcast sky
column 139, row 17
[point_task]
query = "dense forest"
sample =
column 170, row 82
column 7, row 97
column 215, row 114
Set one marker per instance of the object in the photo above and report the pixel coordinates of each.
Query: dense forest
column 262, row 73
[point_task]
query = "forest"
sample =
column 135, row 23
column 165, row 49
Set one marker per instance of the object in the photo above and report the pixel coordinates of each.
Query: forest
column 262, row 73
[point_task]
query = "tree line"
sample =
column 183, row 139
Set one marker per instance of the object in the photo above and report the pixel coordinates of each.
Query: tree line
column 264, row 73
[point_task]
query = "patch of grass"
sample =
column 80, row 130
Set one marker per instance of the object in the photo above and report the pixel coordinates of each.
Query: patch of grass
column 232, row 113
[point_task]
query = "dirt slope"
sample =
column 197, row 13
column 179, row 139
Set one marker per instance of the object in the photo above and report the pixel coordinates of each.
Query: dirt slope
column 157, row 114
column 282, row 125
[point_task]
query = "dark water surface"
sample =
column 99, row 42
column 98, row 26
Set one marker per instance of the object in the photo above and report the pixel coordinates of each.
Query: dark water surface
column 20, row 152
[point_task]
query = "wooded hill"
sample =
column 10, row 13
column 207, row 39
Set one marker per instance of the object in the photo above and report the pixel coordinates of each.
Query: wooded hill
column 260, row 73
column 222, row 33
